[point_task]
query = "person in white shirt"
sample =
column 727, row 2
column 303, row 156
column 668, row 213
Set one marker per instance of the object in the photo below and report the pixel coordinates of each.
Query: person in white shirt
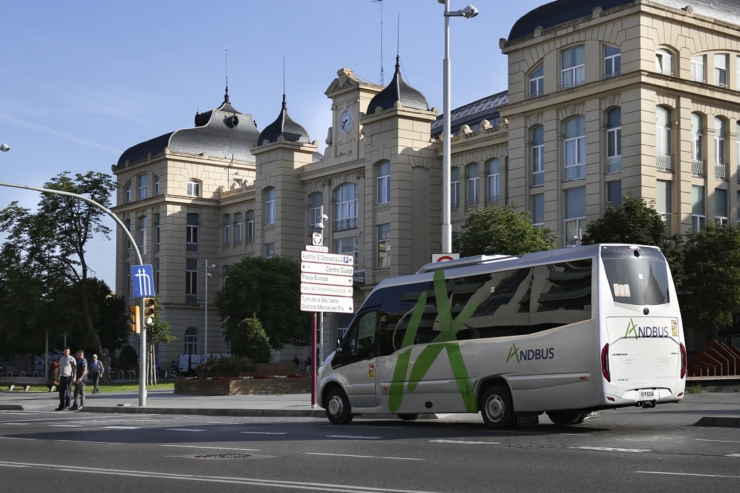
column 65, row 374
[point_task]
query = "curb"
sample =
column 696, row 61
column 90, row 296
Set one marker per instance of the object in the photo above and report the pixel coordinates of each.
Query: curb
column 304, row 413
column 719, row 421
column 11, row 407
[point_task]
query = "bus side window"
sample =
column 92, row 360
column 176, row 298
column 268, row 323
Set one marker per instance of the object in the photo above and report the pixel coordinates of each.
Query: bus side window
column 360, row 340
column 561, row 294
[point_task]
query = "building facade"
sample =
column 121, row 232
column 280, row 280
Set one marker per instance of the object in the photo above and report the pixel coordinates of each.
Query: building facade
column 604, row 98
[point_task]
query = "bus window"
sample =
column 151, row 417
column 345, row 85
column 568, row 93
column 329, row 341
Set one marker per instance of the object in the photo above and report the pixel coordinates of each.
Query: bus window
column 637, row 280
column 561, row 294
column 398, row 303
column 360, row 339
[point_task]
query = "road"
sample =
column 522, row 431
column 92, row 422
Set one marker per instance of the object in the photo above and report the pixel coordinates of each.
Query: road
column 624, row 450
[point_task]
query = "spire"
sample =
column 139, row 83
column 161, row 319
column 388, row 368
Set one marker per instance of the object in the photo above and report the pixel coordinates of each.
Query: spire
column 226, row 96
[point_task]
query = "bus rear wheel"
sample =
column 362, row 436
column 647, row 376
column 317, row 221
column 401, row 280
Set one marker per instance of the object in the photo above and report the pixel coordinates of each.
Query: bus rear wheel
column 565, row 418
column 497, row 408
column 409, row 417
column 337, row 407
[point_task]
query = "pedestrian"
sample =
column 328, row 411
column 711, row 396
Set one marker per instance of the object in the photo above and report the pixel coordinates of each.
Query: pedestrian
column 65, row 374
column 308, row 364
column 296, row 361
column 96, row 370
column 158, row 367
column 80, row 381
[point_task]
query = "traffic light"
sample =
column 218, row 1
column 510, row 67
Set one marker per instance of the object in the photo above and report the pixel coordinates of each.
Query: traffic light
column 150, row 309
column 134, row 319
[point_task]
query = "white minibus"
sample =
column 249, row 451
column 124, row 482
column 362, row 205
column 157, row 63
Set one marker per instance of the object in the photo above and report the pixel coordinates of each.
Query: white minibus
column 564, row 332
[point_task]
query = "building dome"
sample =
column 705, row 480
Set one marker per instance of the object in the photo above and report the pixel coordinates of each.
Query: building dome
column 398, row 91
column 283, row 127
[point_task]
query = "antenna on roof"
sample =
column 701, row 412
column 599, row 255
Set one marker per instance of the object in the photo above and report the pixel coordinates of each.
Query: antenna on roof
column 382, row 82
column 226, row 96
column 283, row 82
column 398, row 37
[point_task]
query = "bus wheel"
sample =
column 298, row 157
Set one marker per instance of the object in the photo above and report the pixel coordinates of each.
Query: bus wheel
column 409, row 417
column 565, row 418
column 337, row 407
column 497, row 408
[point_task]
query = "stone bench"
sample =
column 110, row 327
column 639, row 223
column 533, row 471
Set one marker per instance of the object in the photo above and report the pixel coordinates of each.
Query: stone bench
column 27, row 383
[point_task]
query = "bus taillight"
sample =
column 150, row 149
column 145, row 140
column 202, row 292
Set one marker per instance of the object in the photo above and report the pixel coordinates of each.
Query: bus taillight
column 684, row 364
column 605, row 363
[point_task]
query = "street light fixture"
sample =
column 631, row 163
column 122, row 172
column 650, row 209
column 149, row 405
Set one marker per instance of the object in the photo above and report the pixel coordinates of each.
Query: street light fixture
column 468, row 12
column 208, row 274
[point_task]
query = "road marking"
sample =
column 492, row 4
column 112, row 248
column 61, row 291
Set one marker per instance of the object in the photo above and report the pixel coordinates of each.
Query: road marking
column 733, row 455
column 368, row 426
column 122, row 427
column 464, row 442
column 361, row 456
column 16, row 424
column 66, row 426
column 355, row 437
column 723, row 441
column 214, row 448
column 90, row 441
column 263, row 433
column 612, row 449
column 16, row 438
column 687, row 474
column 293, row 485
column 182, row 429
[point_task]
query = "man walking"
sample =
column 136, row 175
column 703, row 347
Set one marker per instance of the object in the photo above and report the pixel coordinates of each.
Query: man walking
column 96, row 370
column 66, row 372
column 80, row 381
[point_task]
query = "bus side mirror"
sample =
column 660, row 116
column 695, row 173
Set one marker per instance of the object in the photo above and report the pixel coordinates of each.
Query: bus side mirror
column 339, row 346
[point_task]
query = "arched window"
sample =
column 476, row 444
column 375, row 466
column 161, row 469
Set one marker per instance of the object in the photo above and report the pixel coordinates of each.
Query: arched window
column 575, row 148
column 664, row 62
column 614, row 141
column 269, row 205
column 345, row 214
column 384, row 182
column 473, row 182
column 191, row 341
column 538, row 156
column 494, row 180
column 227, row 229
column 454, row 187
column 127, row 193
column 193, row 188
column 238, row 229
column 316, row 210
column 663, row 139
column 537, row 82
column 250, row 226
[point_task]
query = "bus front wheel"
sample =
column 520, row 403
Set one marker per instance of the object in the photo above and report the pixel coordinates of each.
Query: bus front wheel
column 409, row 417
column 565, row 418
column 497, row 408
column 337, row 407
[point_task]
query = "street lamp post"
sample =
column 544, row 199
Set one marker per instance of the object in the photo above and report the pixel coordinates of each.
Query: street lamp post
column 208, row 274
column 468, row 12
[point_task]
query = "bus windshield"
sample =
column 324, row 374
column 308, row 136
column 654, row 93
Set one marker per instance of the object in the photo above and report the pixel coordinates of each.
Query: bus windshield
column 637, row 281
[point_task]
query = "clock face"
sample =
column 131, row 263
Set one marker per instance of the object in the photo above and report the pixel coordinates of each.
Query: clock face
column 345, row 121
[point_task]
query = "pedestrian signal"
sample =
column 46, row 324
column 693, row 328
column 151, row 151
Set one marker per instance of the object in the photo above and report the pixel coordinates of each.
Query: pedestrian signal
column 134, row 318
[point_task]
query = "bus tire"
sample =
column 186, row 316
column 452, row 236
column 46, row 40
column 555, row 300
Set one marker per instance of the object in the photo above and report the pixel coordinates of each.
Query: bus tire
column 497, row 408
column 565, row 418
column 338, row 407
column 409, row 417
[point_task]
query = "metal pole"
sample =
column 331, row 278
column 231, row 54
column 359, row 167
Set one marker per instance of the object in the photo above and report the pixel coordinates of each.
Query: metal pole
column 46, row 357
column 142, row 387
column 446, row 153
column 313, row 361
column 321, row 338
column 206, row 321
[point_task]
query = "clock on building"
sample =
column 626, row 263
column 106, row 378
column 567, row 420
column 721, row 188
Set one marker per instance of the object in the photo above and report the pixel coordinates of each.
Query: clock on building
column 345, row 121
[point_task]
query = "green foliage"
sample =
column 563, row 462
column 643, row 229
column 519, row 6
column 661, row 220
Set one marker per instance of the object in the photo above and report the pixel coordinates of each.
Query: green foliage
column 503, row 231
column 127, row 360
column 158, row 331
column 270, row 290
column 234, row 364
column 635, row 222
column 250, row 340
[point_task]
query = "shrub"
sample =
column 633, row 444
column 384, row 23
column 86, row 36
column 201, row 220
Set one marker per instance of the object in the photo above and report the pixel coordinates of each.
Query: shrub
column 223, row 364
column 250, row 340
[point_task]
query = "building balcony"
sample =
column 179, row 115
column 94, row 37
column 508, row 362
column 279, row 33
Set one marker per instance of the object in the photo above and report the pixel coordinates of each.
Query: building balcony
column 614, row 164
column 720, row 171
column 346, row 223
column 664, row 163
column 697, row 167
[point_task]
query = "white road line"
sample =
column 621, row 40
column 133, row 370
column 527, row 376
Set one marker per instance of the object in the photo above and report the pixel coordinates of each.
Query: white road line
column 263, row 433
column 464, row 442
column 327, row 487
column 687, row 474
column 16, row 438
column 612, row 449
column 214, row 448
column 182, row 429
column 353, row 437
column 361, row 456
column 15, row 424
column 723, row 441
column 733, row 455
column 368, row 426
column 90, row 441
column 66, row 426
column 122, row 427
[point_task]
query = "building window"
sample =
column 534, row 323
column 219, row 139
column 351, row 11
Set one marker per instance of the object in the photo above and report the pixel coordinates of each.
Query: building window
column 346, row 246
column 191, row 341
column 193, row 188
column 494, row 180
column 156, row 230
column 719, row 141
column 224, row 274
column 191, row 281
column 537, row 82
column 127, row 222
column 720, row 207
column 238, row 229
column 345, row 213
column 269, row 250
column 384, row 246
column 663, row 204
column 315, row 222
column 697, row 144
column 698, row 69
column 573, row 71
column 473, row 182
column 270, row 205
column 156, row 275
column 538, row 209
column 614, row 193
column 575, row 214
column 127, row 193
column 250, row 226
column 156, row 185
column 384, row 182
column 575, row 148
column 191, row 233
column 663, row 62
column 143, row 183
column 698, row 209
column 720, row 70
column 663, row 139
column 612, row 61
column 614, row 141
column 454, row 187
column 538, row 156
column 227, row 229
column 142, row 235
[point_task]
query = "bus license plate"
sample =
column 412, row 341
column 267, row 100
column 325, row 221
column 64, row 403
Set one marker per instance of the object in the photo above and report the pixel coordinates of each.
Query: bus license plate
column 647, row 395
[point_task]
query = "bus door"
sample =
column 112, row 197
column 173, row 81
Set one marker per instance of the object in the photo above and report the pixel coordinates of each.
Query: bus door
column 356, row 362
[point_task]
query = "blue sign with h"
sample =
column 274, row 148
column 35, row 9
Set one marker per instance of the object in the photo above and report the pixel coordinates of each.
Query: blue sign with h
column 143, row 280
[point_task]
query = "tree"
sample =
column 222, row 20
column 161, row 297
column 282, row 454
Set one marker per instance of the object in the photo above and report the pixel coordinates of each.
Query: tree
column 502, row 230
column 250, row 340
column 50, row 244
column 635, row 222
column 156, row 332
column 270, row 290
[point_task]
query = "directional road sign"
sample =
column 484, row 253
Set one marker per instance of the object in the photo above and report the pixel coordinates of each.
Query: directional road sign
column 307, row 277
column 326, row 290
column 334, row 304
column 333, row 269
column 327, row 258
column 317, row 248
column 143, row 280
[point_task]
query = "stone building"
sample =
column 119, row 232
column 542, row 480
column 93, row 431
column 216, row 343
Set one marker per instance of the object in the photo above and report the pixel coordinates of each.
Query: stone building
column 604, row 98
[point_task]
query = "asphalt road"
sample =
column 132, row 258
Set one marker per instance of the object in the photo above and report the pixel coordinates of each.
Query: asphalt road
column 625, row 450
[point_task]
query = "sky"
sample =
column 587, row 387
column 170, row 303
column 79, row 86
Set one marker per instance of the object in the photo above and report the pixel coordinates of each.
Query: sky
column 82, row 81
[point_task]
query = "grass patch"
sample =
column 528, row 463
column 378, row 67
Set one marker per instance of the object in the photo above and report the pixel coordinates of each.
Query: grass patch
column 124, row 386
